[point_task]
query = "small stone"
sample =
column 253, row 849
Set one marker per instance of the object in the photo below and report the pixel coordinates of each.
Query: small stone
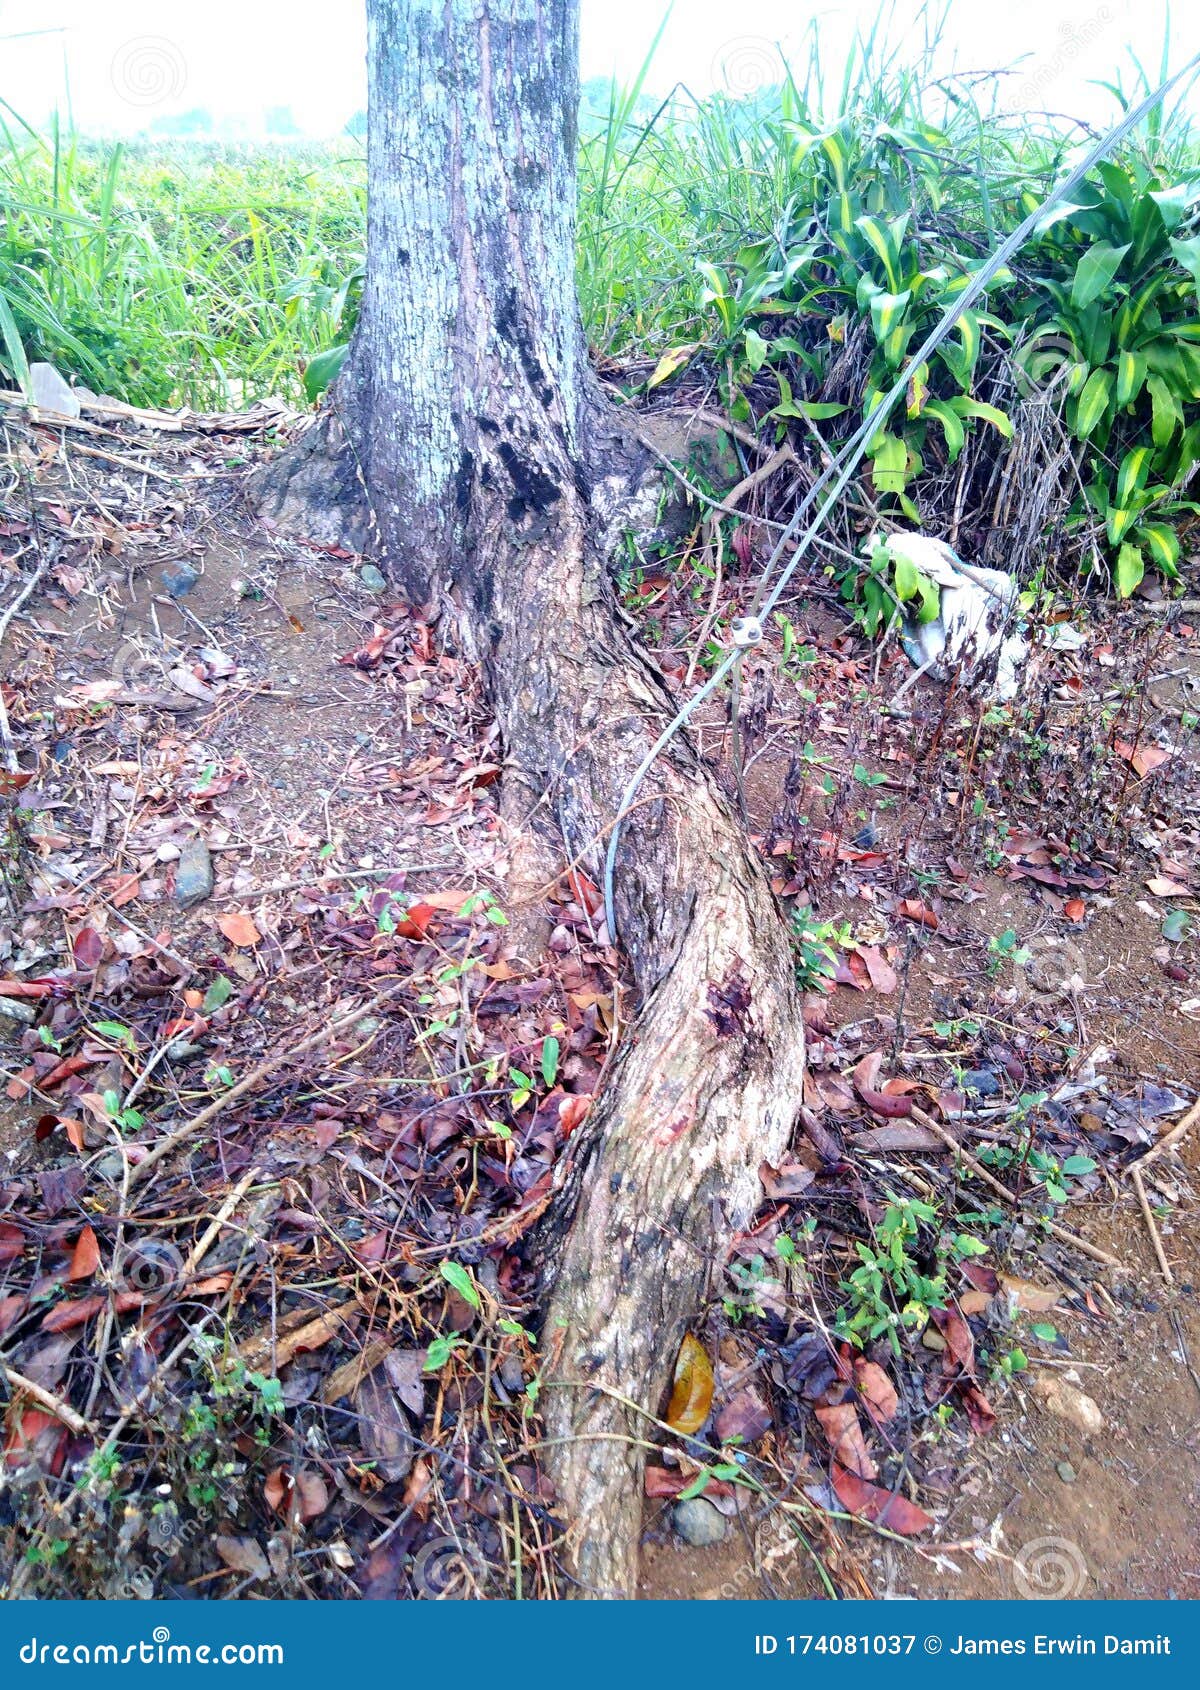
column 167, row 854
column 194, row 876
column 372, row 578
column 368, row 1025
column 1065, row 1472
column 179, row 578
column 697, row 1522
column 981, row 1081
column 12, row 1009
column 1061, row 1398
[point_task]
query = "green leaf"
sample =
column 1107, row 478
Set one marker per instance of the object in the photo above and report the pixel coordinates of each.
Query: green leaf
column 217, row 994
column 439, row 1353
column 999, row 419
column 1131, row 373
column 1094, row 272
column 756, row 350
column 16, row 351
column 1176, row 926
column 891, row 463
column 1044, row 1332
column 1076, row 1166
column 1093, row 403
column 457, row 1276
column 674, row 360
column 1163, row 544
column 115, row 1030
column 1187, row 253
column 907, row 578
column 550, row 1050
column 951, row 424
column 1135, row 466
column 322, row 370
column 1131, row 566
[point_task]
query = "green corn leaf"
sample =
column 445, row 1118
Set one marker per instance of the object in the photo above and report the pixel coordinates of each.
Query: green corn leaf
column 1166, row 414
column 879, row 240
column 1187, row 253
column 1162, row 543
column 891, row 463
column 1094, row 272
column 1131, row 373
column 1093, row 403
column 1135, row 467
column 1131, row 566
column 986, row 413
column 952, row 426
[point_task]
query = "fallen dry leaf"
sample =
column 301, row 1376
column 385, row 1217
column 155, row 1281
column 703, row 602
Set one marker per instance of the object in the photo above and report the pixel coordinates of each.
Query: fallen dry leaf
column 692, row 1390
column 872, row 1502
column 85, row 1258
column 239, row 929
column 840, row 1424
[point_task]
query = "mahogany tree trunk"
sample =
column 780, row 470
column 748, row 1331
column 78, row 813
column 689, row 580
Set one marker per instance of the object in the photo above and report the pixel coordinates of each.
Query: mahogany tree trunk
column 467, row 414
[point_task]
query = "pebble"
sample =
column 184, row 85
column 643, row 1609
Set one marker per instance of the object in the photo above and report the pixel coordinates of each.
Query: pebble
column 1065, row 1472
column 167, row 854
column 194, row 876
column 372, row 578
column 179, row 579
column 697, row 1522
column 982, row 1081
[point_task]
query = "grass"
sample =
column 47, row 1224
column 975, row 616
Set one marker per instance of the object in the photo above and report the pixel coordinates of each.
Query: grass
column 788, row 248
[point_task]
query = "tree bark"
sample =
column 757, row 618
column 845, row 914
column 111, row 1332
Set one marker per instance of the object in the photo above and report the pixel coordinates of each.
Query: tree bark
column 473, row 424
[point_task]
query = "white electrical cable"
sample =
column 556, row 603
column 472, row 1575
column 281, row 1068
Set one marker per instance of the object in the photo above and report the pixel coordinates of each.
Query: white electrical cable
column 842, row 466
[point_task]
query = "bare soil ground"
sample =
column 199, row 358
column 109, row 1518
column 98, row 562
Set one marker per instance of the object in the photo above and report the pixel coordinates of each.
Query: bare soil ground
column 334, row 760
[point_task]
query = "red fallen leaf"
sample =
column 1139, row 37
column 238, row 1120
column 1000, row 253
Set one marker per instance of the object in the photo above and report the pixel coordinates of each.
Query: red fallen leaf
column 12, row 1241
column 571, row 1110
column 789, row 1179
column 10, row 1308
column 423, row 644
column 883, row 1507
column 584, row 891
column 883, row 976
column 64, row 1069
column 742, row 545
column 312, row 1496
column 39, row 1438
column 239, row 929
column 26, row 988
column 88, row 948
column 840, row 1424
column 669, row 1481
column 13, row 781
column 20, row 1083
column 876, row 1389
column 278, row 1487
column 85, row 1258
column 960, row 1345
column 912, row 909
column 981, row 1277
column 207, row 1287
column 1074, row 909
column 369, row 653
column 878, row 1102
column 416, row 921
column 124, row 890
column 849, row 970
column 77, row 1310
column 1142, row 759
column 372, row 1249
column 980, row 1412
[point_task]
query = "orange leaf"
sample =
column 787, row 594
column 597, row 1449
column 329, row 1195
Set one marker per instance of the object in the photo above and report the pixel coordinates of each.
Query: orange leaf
column 85, row 1258
column 1142, row 759
column 1074, row 909
column 872, row 1502
column 692, row 1391
column 416, row 921
column 840, row 1424
column 912, row 909
column 877, row 1390
column 239, row 929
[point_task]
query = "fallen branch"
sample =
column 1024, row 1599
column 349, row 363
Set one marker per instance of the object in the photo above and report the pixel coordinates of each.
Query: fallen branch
column 1178, row 1131
column 46, row 1399
column 1147, row 1215
column 1010, row 1197
column 197, row 1123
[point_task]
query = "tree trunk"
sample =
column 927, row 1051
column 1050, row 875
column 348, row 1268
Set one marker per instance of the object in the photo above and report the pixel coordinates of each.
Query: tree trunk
column 468, row 406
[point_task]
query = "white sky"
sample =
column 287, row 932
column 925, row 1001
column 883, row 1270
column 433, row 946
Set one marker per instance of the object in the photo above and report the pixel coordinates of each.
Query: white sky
column 127, row 62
